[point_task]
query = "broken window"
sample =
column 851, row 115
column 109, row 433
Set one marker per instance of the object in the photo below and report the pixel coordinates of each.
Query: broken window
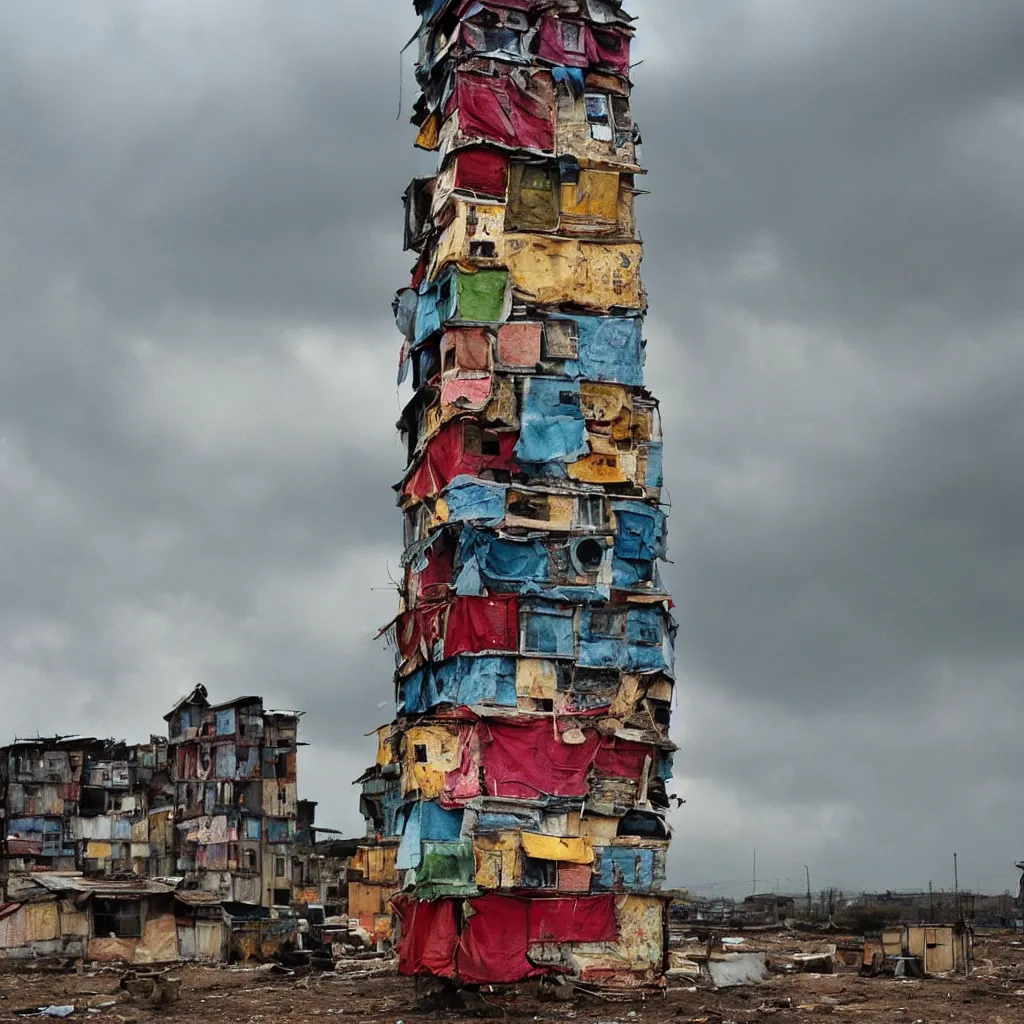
column 661, row 712
column 481, row 442
column 120, row 919
column 561, row 339
column 608, row 624
column 529, row 506
column 539, row 874
column 478, row 441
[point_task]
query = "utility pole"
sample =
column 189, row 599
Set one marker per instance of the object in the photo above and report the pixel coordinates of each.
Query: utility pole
column 956, row 887
column 754, row 891
column 807, row 871
column 931, row 903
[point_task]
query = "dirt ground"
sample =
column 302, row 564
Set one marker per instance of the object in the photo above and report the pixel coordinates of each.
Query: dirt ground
column 993, row 994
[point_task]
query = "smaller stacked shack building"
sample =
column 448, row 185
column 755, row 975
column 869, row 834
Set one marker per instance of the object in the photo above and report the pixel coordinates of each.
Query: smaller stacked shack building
column 149, row 851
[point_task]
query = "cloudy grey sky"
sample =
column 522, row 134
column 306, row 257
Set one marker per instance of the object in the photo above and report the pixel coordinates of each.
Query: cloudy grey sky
column 201, row 237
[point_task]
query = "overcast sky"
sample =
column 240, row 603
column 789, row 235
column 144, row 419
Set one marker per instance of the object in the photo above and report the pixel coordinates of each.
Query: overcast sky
column 200, row 236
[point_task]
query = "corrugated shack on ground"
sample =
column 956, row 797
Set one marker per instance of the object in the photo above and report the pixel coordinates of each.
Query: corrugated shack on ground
column 517, row 810
column 69, row 915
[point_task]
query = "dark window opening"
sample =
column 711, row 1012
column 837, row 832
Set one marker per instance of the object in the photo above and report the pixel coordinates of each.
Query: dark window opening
column 282, row 897
column 420, row 751
column 661, row 713
column 530, row 506
column 539, row 874
column 449, row 359
column 483, row 250
column 92, row 801
column 121, row 919
column 543, row 704
column 281, row 766
column 608, row 40
column 569, row 398
column 589, row 555
column 621, row 113
column 489, row 444
column 591, row 511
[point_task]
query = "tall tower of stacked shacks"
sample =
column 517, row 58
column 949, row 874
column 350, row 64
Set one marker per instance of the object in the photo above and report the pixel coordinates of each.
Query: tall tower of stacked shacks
column 518, row 801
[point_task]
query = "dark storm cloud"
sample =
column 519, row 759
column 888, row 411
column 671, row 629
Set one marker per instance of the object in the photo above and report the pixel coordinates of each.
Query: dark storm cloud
column 202, row 235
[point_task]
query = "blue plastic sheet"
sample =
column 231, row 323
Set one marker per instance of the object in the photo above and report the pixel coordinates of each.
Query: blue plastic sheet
column 572, row 77
column 549, row 629
column 610, row 349
column 641, row 644
column 472, row 500
column 461, row 681
column 426, row 821
column 639, row 540
column 552, row 424
column 503, row 564
column 655, row 465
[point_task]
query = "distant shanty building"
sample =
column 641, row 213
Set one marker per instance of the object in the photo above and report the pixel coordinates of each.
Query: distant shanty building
column 175, row 847
column 234, row 802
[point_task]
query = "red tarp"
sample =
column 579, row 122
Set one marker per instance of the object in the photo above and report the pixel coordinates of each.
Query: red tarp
column 478, row 624
column 482, row 170
column 446, row 458
column 524, row 759
column 418, row 630
column 440, row 568
column 430, row 936
column 597, row 48
column 621, row 759
column 494, row 942
column 496, row 934
column 515, row 108
column 579, row 919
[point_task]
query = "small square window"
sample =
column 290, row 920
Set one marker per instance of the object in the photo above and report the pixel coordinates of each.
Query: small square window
column 561, row 339
column 608, row 624
column 590, row 511
column 598, row 108
column 573, row 38
column 420, row 752
column 483, row 250
column 489, row 444
column 539, row 874
column 649, row 633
